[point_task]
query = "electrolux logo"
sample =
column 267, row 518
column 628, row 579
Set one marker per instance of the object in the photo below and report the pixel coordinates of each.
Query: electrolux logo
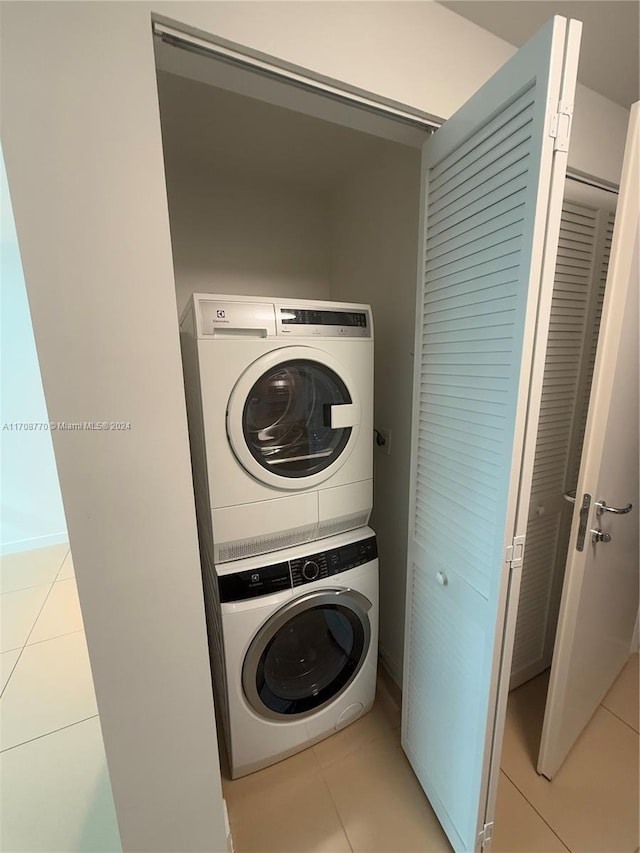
column 221, row 314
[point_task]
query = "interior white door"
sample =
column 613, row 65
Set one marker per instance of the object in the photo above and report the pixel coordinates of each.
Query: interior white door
column 600, row 593
column 493, row 180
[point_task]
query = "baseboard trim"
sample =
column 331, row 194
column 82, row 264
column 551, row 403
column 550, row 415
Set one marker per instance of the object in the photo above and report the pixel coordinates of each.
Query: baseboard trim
column 34, row 544
column 391, row 668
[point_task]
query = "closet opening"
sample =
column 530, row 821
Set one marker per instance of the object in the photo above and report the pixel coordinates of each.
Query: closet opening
column 278, row 190
column 275, row 191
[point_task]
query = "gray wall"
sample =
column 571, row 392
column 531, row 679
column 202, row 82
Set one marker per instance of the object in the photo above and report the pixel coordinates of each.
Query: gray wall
column 235, row 235
column 375, row 250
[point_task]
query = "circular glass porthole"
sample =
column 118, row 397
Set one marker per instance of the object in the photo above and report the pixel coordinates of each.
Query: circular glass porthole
column 306, row 656
column 287, row 418
column 293, row 417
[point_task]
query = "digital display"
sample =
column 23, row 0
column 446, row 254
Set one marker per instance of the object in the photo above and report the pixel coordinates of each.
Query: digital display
column 349, row 553
column 303, row 317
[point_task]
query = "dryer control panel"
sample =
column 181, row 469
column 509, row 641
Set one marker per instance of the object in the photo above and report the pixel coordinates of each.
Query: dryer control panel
column 236, row 317
column 266, row 580
column 325, row 323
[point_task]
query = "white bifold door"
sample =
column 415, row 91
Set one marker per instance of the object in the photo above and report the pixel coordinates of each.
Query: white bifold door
column 493, row 179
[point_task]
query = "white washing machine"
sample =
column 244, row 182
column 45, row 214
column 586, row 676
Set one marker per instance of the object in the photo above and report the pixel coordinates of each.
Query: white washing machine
column 280, row 400
column 295, row 646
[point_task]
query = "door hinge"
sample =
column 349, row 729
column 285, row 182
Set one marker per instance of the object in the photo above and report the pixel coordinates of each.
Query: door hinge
column 485, row 834
column 515, row 552
column 560, row 128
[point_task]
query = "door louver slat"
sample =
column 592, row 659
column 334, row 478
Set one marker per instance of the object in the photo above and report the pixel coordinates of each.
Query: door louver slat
column 465, row 304
column 591, row 357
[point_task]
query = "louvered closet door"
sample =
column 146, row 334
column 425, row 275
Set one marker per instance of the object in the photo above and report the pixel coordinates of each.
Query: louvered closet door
column 550, row 514
column 492, row 191
column 607, row 222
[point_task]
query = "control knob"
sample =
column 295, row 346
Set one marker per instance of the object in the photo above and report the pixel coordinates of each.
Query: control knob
column 310, row 570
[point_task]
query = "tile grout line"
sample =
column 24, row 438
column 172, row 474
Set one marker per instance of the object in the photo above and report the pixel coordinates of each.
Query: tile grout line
column 322, row 768
column 46, row 734
column 335, row 808
column 24, row 588
column 13, row 669
column 62, row 564
column 35, row 585
column 613, row 714
column 524, row 796
column 45, row 640
column 56, row 637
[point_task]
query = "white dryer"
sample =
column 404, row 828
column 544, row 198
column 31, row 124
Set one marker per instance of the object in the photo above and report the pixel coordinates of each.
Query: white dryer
column 280, row 399
column 295, row 657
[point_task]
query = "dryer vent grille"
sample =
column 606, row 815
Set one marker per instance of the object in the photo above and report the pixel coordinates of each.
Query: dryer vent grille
column 341, row 525
column 226, row 552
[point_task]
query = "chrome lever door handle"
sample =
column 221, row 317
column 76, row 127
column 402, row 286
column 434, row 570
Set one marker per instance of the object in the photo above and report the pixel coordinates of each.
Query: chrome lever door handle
column 601, row 508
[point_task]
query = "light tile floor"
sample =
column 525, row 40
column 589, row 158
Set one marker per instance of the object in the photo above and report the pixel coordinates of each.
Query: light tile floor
column 354, row 791
column 55, row 794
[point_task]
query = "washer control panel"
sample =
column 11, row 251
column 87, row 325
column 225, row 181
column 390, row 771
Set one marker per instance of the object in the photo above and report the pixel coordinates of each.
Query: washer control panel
column 266, row 580
column 326, row 563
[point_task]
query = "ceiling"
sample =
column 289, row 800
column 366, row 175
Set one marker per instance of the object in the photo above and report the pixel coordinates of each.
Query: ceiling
column 610, row 50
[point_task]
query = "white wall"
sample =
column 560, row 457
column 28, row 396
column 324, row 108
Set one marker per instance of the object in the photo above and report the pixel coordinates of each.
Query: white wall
column 81, row 136
column 375, row 246
column 231, row 235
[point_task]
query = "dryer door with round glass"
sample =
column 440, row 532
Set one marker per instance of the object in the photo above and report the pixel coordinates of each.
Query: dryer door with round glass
column 307, row 654
column 293, row 417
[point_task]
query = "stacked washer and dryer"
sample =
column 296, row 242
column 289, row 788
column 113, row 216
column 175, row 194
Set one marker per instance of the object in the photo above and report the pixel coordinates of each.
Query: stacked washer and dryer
column 280, row 408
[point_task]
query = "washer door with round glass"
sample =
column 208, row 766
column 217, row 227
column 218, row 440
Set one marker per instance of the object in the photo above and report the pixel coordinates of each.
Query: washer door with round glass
column 307, row 654
column 293, row 417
